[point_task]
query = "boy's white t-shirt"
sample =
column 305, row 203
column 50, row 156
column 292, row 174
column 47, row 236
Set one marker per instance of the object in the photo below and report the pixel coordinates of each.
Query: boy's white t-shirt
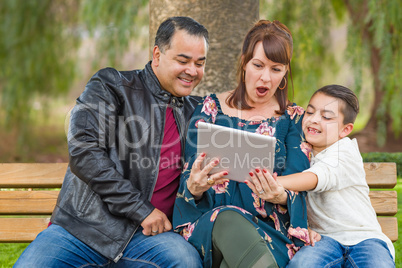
column 339, row 206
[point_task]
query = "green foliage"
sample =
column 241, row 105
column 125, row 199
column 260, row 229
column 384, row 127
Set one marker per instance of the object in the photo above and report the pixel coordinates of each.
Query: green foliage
column 385, row 157
column 114, row 24
column 377, row 25
column 309, row 22
column 37, row 43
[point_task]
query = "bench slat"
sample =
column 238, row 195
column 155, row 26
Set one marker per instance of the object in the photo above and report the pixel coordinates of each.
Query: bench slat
column 26, row 229
column 27, row 202
column 380, row 175
column 50, row 175
column 385, row 203
column 32, row 175
column 389, row 226
column 21, row 230
column 43, row 202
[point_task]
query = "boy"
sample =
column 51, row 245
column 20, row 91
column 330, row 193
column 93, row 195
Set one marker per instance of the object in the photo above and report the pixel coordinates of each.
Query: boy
column 338, row 204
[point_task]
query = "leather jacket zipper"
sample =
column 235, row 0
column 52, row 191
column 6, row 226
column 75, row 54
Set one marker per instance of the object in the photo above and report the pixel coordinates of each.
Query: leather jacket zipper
column 124, row 248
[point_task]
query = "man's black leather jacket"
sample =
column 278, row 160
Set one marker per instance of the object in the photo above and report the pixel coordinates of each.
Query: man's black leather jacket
column 114, row 139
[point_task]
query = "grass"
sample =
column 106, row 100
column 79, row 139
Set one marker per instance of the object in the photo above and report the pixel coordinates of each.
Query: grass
column 398, row 244
column 9, row 253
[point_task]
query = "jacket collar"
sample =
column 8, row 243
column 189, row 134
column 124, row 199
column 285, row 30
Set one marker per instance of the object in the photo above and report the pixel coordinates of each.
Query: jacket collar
column 152, row 84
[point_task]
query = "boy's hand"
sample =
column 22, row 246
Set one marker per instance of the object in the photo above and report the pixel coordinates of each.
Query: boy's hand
column 314, row 237
column 264, row 185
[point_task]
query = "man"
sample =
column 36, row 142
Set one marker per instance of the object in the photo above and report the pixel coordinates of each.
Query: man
column 126, row 139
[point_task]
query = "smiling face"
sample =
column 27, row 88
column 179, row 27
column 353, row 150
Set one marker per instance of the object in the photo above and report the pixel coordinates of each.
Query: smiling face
column 180, row 67
column 323, row 122
column 262, row 77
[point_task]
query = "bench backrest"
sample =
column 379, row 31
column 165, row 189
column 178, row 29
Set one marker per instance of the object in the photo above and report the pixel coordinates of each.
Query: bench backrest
column 28, row 194
column 26, row 202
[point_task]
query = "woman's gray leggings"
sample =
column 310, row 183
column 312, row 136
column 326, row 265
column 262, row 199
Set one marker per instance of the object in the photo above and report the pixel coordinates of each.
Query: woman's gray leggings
column 236, row 243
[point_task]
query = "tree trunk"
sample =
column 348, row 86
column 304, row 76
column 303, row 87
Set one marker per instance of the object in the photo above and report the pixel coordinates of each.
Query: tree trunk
column 227, row 22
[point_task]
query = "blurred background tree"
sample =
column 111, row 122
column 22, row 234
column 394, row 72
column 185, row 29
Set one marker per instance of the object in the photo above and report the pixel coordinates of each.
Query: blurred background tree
column 38, row 42
column 42, row 41
column 373, row 52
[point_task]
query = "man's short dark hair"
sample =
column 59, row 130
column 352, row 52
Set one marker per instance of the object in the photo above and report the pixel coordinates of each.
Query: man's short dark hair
column 167, row 29
column 350, row 107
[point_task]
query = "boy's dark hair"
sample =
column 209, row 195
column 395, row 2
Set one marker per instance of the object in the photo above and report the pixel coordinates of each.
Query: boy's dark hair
column 350, row 108
column 167, row 29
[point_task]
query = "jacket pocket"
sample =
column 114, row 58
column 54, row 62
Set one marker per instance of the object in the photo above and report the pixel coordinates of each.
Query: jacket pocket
column 87, row 198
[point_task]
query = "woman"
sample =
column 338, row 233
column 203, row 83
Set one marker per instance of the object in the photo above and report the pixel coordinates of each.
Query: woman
column 228, row 223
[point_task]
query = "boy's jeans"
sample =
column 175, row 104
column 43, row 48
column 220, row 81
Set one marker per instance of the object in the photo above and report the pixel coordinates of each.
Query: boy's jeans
column 55, row 247
column 330, row 253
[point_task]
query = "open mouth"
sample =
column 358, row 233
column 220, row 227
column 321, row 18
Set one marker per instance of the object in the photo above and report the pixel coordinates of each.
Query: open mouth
column 313, row 130
column 262, row 90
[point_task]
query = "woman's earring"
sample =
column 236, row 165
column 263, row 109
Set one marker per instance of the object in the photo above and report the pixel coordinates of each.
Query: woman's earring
column 281, row 88
column 243, row 76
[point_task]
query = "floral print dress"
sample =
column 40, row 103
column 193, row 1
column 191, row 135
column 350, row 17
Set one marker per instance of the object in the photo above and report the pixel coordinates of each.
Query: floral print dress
column 284, row 228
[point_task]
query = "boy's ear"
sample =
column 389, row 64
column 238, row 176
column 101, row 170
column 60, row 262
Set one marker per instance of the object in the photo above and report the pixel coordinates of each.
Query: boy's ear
column 346, row 130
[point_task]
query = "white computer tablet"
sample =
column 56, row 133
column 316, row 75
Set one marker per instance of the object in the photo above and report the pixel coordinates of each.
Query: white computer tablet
column 239, row 151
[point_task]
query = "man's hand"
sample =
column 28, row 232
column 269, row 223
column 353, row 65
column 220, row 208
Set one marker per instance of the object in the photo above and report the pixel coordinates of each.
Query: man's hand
column 156, row 223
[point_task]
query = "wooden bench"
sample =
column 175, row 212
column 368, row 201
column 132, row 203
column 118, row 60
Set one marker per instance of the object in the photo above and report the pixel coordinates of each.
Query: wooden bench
column 25, row 206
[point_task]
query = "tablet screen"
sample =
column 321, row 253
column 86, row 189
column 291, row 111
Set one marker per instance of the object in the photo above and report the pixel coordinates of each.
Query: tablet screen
column 239, row 151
